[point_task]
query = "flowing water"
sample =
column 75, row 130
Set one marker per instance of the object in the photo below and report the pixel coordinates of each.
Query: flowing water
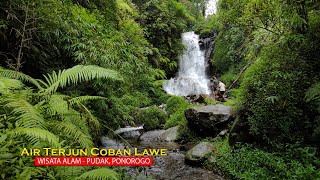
column 171, row 167
column 191, row 78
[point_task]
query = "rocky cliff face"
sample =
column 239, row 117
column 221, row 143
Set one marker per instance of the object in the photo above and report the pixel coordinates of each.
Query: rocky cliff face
column 207, row 44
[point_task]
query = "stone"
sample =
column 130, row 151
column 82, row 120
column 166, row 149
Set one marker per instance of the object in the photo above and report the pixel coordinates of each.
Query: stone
column 168, row 135
column 200, row 98
column 111, row 143
column 130, row 132
column 199, row 153
column 223, row 133
column 209, row 121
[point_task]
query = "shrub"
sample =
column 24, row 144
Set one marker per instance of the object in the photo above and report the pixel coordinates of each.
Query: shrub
column 210, row 101
column 157, row 94
column 177, row 118
column 151, row 117
column 229, row 77
column 272, row 92
column 176, row 106
column 248, row 162
column 174, row 103
column 227, row 53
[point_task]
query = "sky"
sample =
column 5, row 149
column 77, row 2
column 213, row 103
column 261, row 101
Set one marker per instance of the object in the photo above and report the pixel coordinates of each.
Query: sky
column 211, row 8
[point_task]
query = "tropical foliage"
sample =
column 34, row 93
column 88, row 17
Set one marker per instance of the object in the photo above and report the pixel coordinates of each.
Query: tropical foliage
column 112, row 52
column 268, row 51
column 74, row 70
column 275, row 44
column 39, row 116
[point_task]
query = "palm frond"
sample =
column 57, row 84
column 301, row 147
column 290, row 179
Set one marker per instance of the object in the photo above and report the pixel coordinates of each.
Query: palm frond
column 81, row 99
column 36, row 135
column 77, row 135
column 100, row 174
column 18, row 75
column 26, row 114
column 76, row 75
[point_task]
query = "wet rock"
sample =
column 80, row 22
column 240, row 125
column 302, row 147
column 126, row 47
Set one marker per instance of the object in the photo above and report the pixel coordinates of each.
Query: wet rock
column 223, row 133
column 199, row 153
column 197, row 98
column 212, row 159
column 130, row 132
column 111, row 143
column 200, row 98
column 154, row 135
column 168, row 135
column 209, row 121
column 171, row 134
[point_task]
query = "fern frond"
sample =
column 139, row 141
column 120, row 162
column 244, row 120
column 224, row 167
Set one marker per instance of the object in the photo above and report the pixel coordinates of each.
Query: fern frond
column 81, row 99
column 29, row 172
column 26, row 114
column 56, row 104
column 76, row 75
column 36, row 135
column 7, row 84
column 159, row 73
column 92, row 119
column 18, row 75
column 72, row 131
column 100, row 174
column 313, row 94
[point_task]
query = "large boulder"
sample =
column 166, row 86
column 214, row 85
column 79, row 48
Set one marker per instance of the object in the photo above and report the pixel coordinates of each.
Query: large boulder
column 168, row 135
column 209, row 121
column 199, row 153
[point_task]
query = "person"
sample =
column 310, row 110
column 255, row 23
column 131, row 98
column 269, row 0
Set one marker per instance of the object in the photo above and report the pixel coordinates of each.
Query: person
column 221, row 90
column 214, row 86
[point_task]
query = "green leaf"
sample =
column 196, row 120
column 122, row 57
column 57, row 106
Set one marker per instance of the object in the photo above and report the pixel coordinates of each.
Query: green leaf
column 100, row 174
column 18, row 75
column 36, row 135
column 76, row 75
column 26, row 114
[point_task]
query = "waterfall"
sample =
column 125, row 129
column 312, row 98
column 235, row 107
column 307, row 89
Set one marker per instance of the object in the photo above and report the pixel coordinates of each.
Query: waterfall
column 191, row 78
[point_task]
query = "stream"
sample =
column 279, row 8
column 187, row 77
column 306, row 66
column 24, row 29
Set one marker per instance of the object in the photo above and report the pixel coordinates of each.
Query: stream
column 191, row 79
column 171, row 167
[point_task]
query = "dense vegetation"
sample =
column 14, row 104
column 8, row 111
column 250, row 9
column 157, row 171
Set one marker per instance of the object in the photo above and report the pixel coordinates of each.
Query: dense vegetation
column 74, row 70
column 113, row 53
column 268, row 52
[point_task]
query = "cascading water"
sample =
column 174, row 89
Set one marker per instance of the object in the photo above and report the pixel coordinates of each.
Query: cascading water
column 191, row 78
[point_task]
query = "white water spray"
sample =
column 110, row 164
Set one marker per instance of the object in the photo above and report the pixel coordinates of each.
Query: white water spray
column 191, row 78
